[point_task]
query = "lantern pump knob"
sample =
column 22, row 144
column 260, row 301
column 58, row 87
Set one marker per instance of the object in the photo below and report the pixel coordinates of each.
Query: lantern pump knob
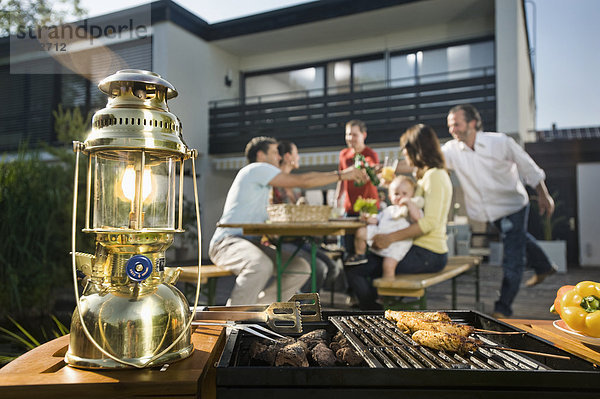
column 138, row 268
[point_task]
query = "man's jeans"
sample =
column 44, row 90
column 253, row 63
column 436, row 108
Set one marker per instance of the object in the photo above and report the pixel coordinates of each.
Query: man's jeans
column 520, row 248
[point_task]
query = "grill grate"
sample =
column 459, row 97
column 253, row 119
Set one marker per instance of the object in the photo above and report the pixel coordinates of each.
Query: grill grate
column 383, row 346
column 395, row 366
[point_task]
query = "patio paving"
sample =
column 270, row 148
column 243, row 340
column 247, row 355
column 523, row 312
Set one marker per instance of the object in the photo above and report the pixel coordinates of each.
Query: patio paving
column 531, row 302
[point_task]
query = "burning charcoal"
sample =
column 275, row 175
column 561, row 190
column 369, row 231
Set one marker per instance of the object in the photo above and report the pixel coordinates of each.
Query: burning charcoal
column 263, row 353
column 267, row 352
column 343, row 342
column 314, row 338
column 323, row 356
column 315, row 334
column 337, row 337
column 338, row 341
column 335, row 346
column 349, row 355
column 292, row 355
column 339, row 354
column 283, row 342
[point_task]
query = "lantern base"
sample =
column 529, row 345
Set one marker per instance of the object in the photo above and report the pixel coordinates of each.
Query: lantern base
column 107, row 363
column 132, row 328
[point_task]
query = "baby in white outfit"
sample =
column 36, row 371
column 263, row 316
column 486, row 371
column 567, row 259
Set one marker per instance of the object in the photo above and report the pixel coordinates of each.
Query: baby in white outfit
column 404, row 209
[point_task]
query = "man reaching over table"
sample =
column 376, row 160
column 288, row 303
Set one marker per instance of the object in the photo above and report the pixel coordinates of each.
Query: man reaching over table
column 247, row 200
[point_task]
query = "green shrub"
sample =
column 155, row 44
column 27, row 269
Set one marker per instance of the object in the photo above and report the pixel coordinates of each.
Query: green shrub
column 23, row 340
column 36, row 198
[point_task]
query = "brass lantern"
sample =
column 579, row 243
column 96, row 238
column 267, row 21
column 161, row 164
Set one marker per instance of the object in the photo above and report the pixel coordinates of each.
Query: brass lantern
column 129, row 314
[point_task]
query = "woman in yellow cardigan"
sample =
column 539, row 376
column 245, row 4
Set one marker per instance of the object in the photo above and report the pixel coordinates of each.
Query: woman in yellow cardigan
column 429, row 252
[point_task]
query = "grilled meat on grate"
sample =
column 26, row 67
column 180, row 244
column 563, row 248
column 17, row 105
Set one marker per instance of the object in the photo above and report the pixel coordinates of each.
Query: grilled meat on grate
column 394, row 315
column 446, row 342
column 411, row 325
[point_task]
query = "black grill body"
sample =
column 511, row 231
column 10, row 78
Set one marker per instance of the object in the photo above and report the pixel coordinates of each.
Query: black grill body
column 395, row 365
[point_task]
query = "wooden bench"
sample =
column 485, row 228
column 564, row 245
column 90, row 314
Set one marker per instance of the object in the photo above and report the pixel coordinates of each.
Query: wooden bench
column 415, row 285
column 210, row 275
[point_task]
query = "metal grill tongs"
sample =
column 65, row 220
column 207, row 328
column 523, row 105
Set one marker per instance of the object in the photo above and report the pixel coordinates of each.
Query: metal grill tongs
column 283, row 317
column 250, row 328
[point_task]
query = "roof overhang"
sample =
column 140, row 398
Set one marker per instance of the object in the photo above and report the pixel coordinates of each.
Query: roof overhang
column 304, row 25
column 401, row 16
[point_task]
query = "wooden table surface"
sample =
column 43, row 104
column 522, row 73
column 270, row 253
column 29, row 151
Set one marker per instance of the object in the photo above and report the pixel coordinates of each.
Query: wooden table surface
column 334, row 227
column 42, row 373
column 309, row 230
column 544, row 329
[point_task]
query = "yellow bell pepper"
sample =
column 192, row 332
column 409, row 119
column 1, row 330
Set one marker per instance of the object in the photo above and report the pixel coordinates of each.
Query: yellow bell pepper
column 557, row 306
column 580, row 307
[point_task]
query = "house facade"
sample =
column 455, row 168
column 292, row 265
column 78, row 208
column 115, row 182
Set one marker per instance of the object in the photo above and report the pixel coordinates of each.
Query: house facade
column 297, row 73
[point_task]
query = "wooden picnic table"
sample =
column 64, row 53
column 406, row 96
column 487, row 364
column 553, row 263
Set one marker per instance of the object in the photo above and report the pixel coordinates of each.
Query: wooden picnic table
column 311, row 231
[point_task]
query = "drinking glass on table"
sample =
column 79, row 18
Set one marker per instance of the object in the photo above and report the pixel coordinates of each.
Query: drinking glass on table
column 337, row 209
column 389, row 169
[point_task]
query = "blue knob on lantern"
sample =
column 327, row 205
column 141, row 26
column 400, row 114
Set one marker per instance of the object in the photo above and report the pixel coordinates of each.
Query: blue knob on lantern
column 138, row 268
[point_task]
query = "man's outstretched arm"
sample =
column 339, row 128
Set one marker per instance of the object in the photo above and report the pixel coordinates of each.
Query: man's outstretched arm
column 317, row 179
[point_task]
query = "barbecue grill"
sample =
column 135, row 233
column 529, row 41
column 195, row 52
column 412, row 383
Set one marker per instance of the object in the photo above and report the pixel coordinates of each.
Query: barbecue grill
column 394, row 364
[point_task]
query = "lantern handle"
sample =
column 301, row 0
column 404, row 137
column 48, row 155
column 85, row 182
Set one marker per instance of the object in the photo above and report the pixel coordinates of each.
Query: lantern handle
column 193, row 154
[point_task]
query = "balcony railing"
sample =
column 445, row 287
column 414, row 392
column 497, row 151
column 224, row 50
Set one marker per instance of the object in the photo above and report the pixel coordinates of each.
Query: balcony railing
column 318, row 121
column 573, row 133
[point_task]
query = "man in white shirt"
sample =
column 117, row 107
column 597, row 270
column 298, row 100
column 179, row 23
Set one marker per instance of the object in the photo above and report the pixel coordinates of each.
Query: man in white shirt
column 247, row 200
column 490, row 167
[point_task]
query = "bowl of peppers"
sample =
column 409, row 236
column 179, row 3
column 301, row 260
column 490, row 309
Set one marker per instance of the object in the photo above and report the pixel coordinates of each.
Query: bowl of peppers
column 579, row 309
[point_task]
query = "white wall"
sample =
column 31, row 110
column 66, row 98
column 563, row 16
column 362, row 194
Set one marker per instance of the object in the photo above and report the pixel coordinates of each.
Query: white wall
column 197, row 70
column 515, row 98
column 588, row 191
column 402, row 39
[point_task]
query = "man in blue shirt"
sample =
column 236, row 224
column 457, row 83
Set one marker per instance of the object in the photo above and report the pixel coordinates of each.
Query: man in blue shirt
column 247, row 200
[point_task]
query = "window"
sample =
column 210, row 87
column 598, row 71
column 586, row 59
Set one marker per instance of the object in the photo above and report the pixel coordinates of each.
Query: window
column 406, row 69
column 403, row 70
column 455, row 62
column 74, row 90
column 368, row 75
column 338, row 77
column 298, row 83
column 27, row 112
